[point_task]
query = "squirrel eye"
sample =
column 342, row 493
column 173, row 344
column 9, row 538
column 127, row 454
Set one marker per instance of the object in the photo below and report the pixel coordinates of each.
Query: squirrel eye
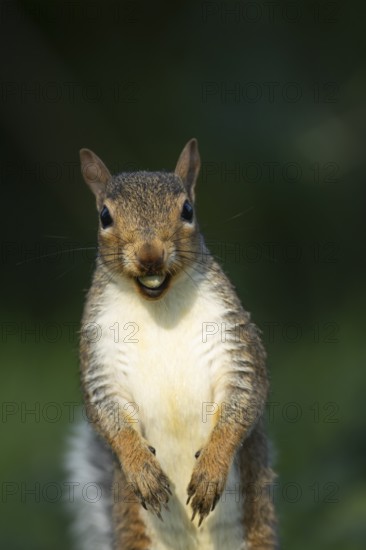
column 105, row 217
column 187, row 211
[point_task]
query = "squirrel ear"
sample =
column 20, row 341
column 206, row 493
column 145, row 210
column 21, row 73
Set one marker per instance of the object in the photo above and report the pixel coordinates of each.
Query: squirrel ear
column 188, row 166
column 95, row 174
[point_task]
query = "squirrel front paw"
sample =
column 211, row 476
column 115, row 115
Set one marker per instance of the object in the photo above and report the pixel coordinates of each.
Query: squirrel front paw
column 147, row 479
column 207, row 484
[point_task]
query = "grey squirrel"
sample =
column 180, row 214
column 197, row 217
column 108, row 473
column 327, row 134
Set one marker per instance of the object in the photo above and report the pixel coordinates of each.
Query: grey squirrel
column 176, row 437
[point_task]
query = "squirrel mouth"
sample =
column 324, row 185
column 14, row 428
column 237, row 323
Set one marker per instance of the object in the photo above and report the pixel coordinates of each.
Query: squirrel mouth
column 153, row 286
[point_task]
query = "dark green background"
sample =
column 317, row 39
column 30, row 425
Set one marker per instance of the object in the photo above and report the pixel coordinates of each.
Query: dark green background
column 134, row 82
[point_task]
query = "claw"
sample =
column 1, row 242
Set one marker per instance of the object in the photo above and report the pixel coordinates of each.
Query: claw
column 193, row 515
column 143, row 504
column 159, row 516
column 202, row 517
column 188, row 499
column 197, row 454
column 152, row 449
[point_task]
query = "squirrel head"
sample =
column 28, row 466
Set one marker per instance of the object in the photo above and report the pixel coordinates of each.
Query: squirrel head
column 148, row 230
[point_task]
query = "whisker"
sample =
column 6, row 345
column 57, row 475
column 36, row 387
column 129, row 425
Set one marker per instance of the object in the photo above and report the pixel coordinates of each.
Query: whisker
column 52, row 254
column 55, row 237
column 236, row 216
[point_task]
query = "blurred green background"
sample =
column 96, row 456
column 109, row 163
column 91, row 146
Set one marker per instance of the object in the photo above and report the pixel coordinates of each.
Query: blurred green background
column 275, row 93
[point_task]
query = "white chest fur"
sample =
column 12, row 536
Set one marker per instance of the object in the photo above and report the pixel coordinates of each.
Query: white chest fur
column 157, row 358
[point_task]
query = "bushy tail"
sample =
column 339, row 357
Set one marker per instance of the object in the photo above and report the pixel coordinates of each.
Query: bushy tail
column 89, row 471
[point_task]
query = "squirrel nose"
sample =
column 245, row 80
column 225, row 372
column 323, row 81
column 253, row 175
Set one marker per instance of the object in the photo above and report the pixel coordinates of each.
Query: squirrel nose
column 150, row 257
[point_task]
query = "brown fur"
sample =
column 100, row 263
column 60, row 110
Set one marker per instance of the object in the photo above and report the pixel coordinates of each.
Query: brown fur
column 129, row 527
column 257, row 478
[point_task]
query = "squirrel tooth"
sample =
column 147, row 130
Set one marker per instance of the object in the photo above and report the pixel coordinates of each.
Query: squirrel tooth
column 152, row 281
